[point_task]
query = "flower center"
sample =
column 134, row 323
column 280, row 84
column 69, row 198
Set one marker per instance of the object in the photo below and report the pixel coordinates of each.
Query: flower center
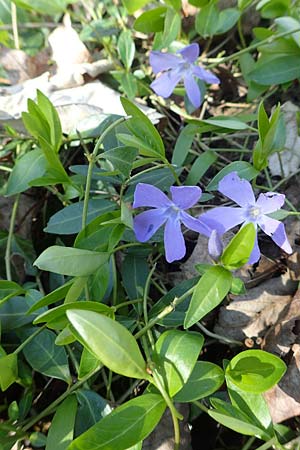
column 253, row 212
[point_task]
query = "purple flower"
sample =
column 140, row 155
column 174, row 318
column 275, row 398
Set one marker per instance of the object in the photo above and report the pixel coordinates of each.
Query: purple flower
column 168, row 212
column 177, row 67
column 224, row 218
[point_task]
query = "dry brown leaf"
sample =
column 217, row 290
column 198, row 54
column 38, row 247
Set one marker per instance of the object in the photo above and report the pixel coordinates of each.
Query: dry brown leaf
column 20, row 67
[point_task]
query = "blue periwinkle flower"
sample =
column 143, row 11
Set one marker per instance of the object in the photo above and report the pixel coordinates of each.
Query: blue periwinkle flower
column 180, row 67
column 168, row 212
column 224, row 218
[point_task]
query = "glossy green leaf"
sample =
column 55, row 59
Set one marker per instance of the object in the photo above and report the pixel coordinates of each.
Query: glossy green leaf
column 172, row 27
column 239, row 249
column 205, row 379
column 211, row 289
column 243, row 168
column 61, row 431
column 134, row 270
column 47, row 358
column 200, row 166
column 125, row 426
column 56, row 317
column 70, row 261
column 228, row 17
column 52, row 297
column 207, row 20
column 151, row 21
column 126, row 48
column 111, row 342
column 279, row 70
column 32, row 165
column 121, row 158
column 184, row 143
column 236, row 420
column 289, row 24
column 176, row 355
column 254, row 405
column 76, row 289
column 8, row 370
column 9, row 289
column 65, row 336
column 134, row 5
column 255, row 370
column 69, row 219
column 141, row 127
column 88, row 363
column 227, row 122
column 91, row 408
column 52, row 117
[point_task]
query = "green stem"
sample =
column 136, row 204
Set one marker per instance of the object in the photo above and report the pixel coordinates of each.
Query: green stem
column 92, row 159
column 240, row 31
column 268, row 444
column 249, row 442
column 129, row 303
column 145, row 310
column 266, row 41
column 10, row 237
column 218, row 336
column 167, row 310
column 14, row 22
column 201, row 406
column 32, row 336
column 172, row 169
column 174, row 413
column 49, row 410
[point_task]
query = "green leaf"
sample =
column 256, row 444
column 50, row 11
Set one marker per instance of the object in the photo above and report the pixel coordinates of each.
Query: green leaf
column 236, row 420
column 32, row 165
column 52, row 297
column 289, row 24
column 183, row 144
column 8, row 370
column 239, row 249
column 43, row 6
column 255, row 370
column 172, row 27
column 125, row 426
column 227, row 19
column 121, row 158
column 112, row 343
column 176, row 355
column 53, row 119
column 9, row 289
column 129, row 84
column 205, row 379
column 200, row 166
column 56, row 317
column 70, row 261
column 134, row 5
column 243, row 168
column 211, row 289
column 227, row 122
column 126, row 48
column 134, row 271
column 69, row 219
column 207, row 20
column 141, row 127
column 151, row 21
column 88, row 363
column 61, row 431
column 47, row 358
column 279, row 70
column 92, row 407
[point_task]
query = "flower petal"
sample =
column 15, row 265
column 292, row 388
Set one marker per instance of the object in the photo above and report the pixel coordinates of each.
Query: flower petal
column 195, row 224
column 237, row 189
column 270, row 202
column 223, row 218
column 205, row 75
column 147, row 223
column 185, row 196
column 276, row 231
column 192, row 90
column 255, row 254
column 165, row 84
column 174, row 241
column 215, row 245
column 190, row 52
column 163, row 61
column 148, row 195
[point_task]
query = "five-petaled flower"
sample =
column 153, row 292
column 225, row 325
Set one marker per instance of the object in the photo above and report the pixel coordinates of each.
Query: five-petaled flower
column 168, row 212
column 224, row 218
column 177, row 67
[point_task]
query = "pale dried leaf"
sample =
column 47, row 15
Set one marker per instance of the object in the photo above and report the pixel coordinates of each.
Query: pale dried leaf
column 19, row 66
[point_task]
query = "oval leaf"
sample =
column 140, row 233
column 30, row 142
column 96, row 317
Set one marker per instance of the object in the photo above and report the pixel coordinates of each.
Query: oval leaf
column 61, row 431
column 210, row 291
column 125, row 426
column 255, row 370
column 239, row 249
column 243, row 168
column 205, row 379
column 71, row 261
column 110, row 341
column 278, row 70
